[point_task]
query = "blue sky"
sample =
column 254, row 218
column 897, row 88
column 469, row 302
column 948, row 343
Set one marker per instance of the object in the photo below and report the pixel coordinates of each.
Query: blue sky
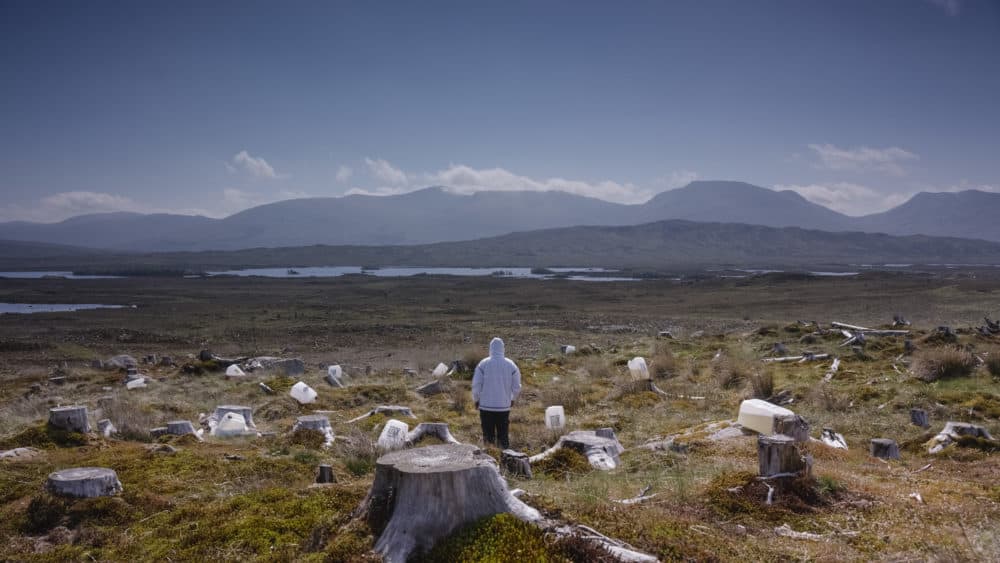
column 211, row 107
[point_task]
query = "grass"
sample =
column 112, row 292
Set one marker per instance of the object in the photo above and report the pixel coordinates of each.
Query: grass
column 946, row 362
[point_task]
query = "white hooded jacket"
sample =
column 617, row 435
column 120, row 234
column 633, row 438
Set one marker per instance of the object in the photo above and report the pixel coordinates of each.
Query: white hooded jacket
column 497, row 381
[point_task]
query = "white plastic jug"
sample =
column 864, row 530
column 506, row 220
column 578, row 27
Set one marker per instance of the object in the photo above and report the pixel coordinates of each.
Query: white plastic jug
column 232, row 424
column 637, row 367
column 555, row 417
column 235, row 371
column 302, row 393
column 440, row 370
column 759, row 415
column 335, row 371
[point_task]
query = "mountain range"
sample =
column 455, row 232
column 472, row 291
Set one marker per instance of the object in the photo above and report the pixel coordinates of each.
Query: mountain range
column 436, row 214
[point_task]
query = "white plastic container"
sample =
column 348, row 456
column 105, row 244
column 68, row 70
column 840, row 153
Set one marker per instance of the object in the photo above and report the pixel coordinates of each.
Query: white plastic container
column 440, row 371
column 302, row 393
column 555, row 417
column 235, row 371
column 137, row 383
column 231, row 424
column 568, row 349
column 758, row 415
column 335, row 371
column 637, row 367
column 393, row 436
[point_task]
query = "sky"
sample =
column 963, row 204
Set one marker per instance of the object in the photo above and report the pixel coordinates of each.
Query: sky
column 212, row 107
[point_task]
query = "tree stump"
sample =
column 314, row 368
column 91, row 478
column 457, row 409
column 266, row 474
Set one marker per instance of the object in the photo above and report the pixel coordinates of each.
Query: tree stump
column 106, row 427
column 438, row 429
column 516, row 463
column 72, row 419
column 919, row 418
column 778, row 455
column 422, row 495
column 180, row 427
column 325, row 474
column 245, row 412
column 317, row 422
column 793, row 426
column 84, row 482
column 387, row 410
column 158, row 431
column 884, row 448
column 431, row 388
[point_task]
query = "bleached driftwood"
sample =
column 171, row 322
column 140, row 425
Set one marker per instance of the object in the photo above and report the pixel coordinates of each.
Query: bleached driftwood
column 601, row 452
column 952, row 431
column 619, row 549
column 437, row 429
column 869, row 331
column 833, row 369
column 833, row 439
column 803, row 358
column 386, row 410
column 422, row 495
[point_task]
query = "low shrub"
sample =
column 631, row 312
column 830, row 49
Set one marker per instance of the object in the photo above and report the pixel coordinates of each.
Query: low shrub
column 943, row 363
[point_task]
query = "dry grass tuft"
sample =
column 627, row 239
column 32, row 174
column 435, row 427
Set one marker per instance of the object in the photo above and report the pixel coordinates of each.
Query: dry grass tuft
column 762, row 385
column 663, row 364
column 943, row 363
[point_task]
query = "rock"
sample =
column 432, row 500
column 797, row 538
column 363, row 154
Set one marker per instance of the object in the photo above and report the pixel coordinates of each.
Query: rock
column 71, row 419
column 84, row 482
column 18, row 454
column 121, row 361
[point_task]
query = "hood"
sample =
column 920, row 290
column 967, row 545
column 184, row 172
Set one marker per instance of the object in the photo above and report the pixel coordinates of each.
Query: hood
column 496, row 348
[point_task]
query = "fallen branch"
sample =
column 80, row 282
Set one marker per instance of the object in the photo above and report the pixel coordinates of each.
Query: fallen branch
column 387, row 410
column 833, row 369
column 800, row 359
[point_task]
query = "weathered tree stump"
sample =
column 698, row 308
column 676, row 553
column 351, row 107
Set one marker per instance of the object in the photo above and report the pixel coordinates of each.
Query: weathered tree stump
column 793, row 426
column 608, row 433
column 325, row 474
column 318, row 422
column 437, row 429
column 884, row 448
column 180, row 427
column 919, row 418
column 84, row 482
column 778, row 456
column 72, row 419
column 422, row 495
column 516, row 463
column 601, row 452
column 245, row 412
column 158, row 431
column 431, row 388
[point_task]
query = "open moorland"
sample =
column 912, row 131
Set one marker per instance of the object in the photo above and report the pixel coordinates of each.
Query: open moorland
column 254, row 497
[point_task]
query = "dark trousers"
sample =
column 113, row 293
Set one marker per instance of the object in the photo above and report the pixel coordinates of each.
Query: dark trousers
column 495, row 426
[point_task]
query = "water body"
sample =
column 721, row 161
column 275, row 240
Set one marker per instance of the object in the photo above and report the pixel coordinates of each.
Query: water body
column 29, row 308
column 408, row 271
column 39, row 275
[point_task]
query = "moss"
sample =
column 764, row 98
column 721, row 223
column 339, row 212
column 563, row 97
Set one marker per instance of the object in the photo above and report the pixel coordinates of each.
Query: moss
column 308, row 438
column 281, row 384
column 44, row 436
column 107, row 511
column 639, row 400
column 495, row 539
column 44, row 512
column 978, row 443
column 565, row 461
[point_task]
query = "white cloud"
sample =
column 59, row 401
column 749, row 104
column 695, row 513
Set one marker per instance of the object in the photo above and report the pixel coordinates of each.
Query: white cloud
column 676, row 179
column 950, row 7
column 465, row 179
column 386, row 172
column 344, row 173
column 255, row 166
column 848, row 198
column 888, row 160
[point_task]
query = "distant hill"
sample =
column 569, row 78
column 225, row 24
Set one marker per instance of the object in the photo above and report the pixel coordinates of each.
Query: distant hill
column 662, row 246
column 966, row 214
column 17, row 249
column 438, row 215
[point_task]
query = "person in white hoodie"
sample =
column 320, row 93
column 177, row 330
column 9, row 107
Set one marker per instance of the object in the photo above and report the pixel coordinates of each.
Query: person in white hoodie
column 495, row 386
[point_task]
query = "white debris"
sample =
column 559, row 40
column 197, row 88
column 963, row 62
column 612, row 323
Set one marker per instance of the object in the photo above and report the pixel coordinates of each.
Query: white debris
column 788, row 532
column 393, row 436
column 137, row 383
column 759, row 415
column 235, row 371
column 303, row 393
column 637, row 367
column 555, row 417
column 440, row 371
column 833, row 439
column 917, row 497
column 567, row 349
column 231, row 424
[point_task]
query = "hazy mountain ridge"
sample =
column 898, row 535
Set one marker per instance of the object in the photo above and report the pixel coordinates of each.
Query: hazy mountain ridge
column 435, row 215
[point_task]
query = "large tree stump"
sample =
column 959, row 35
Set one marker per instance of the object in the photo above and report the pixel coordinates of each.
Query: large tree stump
column 919, row 418
column 72, row 419
column 437, row 429
column 793, row 426
column 422, row 495
column 245, row 412
column 884, row 448
column 431, row 388
column 778, row 456
column 84, row 482
column 180, row 427
column 318, row 422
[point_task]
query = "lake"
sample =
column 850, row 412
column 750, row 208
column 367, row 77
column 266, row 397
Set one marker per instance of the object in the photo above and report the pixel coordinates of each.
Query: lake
column 29, row 308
